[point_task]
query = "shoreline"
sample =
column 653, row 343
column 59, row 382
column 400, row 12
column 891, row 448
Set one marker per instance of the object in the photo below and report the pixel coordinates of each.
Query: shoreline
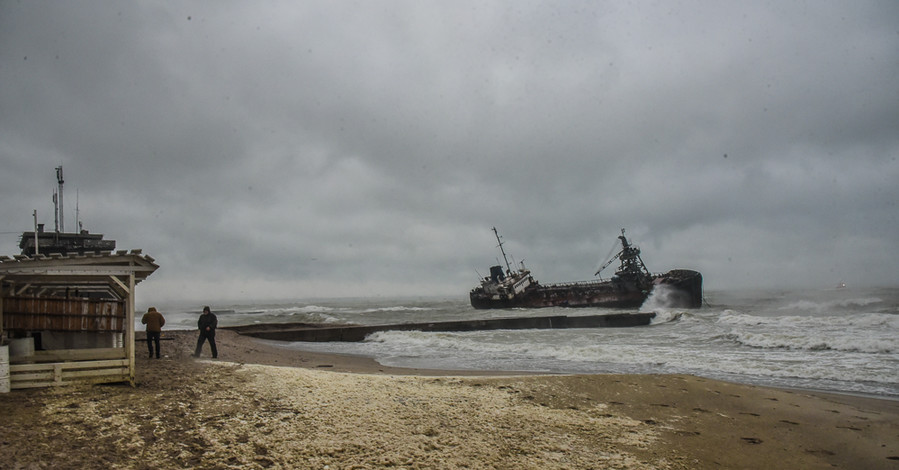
column 374, row 367
column 263, row 406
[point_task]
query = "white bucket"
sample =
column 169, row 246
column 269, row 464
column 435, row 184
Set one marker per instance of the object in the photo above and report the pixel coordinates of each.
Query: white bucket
column 21, row 347
column 4, row 369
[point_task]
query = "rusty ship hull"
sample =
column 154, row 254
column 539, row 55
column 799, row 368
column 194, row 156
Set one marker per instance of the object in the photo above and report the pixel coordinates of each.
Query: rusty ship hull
column 683, row 289
column 631, row 285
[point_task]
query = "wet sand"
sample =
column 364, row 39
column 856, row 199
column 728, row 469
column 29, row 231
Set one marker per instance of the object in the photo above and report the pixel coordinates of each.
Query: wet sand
column 262, row 406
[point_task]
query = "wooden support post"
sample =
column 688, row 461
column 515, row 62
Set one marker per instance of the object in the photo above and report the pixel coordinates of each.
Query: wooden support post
column 1, row 310
column 129, row 328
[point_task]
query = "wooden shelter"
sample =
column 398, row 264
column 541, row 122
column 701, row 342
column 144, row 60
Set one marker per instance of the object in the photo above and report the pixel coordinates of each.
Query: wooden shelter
column 77, row 309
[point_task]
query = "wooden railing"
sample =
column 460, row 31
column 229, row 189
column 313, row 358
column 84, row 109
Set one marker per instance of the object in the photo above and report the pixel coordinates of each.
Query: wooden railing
column 60, row 367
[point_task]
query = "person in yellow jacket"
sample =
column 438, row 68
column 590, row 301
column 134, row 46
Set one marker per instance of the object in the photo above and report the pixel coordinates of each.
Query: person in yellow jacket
column 154, row 321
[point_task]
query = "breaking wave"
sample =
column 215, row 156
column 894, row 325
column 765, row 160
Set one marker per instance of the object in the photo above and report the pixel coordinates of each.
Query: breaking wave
column 397, row 309
column 829, row 306
column 815, row 342
column 867, row 320
column 662, row 297
column 872, row 333
column 666, row 316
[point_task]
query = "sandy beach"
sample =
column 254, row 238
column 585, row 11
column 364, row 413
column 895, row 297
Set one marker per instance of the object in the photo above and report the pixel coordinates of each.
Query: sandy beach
column 262, row 406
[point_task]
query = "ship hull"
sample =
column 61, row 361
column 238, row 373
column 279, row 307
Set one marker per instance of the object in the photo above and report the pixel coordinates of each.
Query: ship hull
column 681, row 289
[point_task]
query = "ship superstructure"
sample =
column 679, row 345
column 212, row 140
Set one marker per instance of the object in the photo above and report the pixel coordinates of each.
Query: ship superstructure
column 628, row 288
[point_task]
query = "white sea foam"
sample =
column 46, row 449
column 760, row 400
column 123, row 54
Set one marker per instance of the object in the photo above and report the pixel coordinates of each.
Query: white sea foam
column 397, row 309
column 590, row 354
column 666, row 316
column 313, row 308
column 868, row 320
column 829, row 306
column 314, row 317
column 873, row 333
column 817, row 342
column 662, row 297
column 474, row 351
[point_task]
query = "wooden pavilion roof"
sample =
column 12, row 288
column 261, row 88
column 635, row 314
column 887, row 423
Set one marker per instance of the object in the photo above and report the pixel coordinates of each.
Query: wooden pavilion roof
column 103, row 272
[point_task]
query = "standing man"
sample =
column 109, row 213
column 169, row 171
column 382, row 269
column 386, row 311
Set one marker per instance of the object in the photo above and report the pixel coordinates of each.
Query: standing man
column 207, row 324
column 154, row 321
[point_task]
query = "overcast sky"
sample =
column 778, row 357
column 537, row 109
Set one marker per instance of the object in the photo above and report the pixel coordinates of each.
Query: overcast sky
column 318, row 149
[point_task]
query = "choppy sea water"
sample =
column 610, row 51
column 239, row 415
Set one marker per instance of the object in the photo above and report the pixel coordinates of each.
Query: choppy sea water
column 842, row 340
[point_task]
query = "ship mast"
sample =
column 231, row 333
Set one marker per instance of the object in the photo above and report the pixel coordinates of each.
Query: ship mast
column 498, row 240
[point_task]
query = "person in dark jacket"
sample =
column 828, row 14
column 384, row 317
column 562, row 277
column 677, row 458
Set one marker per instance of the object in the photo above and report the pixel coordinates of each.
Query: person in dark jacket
column 154, row 321
column 207, row 324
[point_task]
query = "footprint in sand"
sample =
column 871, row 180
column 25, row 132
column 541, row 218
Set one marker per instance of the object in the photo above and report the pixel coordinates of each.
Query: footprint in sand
column 819, row 452
column 851, row 428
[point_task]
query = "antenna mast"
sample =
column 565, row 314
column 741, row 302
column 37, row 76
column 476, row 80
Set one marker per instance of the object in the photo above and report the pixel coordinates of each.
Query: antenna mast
column 55, row 210
column 37, row 246
column 77, row 212
column 509, row 268
column 61, row 213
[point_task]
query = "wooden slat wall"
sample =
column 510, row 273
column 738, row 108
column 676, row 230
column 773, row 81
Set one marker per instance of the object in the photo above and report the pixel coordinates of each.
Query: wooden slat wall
column 102, row 365
column 62, row 373
column 66, row 355
column 35, row 314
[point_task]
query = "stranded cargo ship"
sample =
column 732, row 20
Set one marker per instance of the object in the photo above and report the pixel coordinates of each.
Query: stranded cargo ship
column 628, row 288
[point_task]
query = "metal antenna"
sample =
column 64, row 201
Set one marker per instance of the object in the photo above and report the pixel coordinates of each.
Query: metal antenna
column 55, row 210
column 36, row 244
column 62, row 217
column 498, row 240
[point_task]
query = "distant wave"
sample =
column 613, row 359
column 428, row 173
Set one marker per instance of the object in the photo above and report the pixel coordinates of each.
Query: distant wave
column 305, row 314
column 312, row 308
column 397, row 309
column 815, row 342
column 220, row 312
column 829, row 306
column 871, row 320
column 276, row 311
column 864, row 333
column 316, row 317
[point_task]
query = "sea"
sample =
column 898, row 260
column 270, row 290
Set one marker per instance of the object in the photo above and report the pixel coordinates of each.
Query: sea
column 843, row 340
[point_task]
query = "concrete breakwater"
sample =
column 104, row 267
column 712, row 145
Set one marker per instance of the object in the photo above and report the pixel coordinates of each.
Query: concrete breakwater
column 351, row 333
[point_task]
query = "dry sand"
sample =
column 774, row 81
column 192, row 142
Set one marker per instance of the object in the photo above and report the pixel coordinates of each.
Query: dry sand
column 262, row 406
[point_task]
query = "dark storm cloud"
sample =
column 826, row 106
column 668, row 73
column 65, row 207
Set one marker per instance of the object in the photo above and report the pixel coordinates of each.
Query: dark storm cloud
column 338, row 148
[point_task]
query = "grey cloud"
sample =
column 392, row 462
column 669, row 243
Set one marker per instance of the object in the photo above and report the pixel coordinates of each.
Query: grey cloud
column 344, row 148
